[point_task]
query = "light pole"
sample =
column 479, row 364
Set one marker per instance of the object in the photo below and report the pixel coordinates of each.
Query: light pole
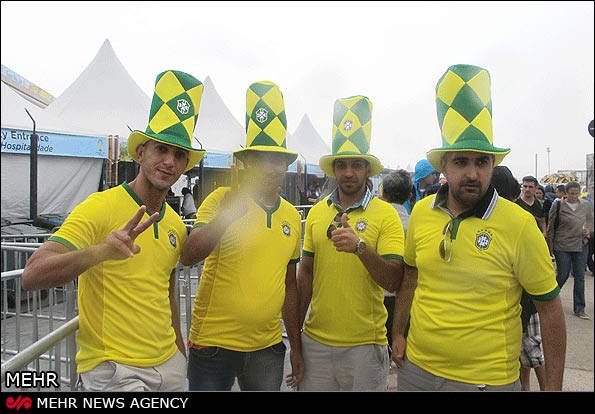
column 548, row 160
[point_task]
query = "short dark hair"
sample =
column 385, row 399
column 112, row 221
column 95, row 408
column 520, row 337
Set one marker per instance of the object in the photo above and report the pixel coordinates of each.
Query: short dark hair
column 396, row 186
column 530, row 178
column 572, row 184
column 505, row 184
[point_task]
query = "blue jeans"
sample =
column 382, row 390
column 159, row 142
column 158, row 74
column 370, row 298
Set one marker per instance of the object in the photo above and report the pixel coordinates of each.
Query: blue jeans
column 576, row 260
column 215, row 369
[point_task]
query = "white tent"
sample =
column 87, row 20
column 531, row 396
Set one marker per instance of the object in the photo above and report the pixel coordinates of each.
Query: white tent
column 308, row 143
column 62, row 181
column 104, row 98
column 217, row 129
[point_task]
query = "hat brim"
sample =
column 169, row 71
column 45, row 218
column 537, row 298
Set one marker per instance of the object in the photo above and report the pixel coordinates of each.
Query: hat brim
column 291, row 156
column 435, row 154
column 326, row 163
column 137, row 138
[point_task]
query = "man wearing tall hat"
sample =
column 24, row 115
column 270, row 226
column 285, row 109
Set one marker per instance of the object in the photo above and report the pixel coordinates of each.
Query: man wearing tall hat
column 125, row 243
column 250, row 239
column 353, row 249
column 469, row 253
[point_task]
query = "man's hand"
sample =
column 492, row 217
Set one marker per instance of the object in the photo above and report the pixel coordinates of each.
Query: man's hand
column 119, row 244
column 399, row 345
column 345, row 239
column 297, row 370
column 234, row 203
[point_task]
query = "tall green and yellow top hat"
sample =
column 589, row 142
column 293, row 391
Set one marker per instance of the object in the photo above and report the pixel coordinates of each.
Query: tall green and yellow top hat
column 352, row 130
column 266, row 124
column 464, row 106
column 173, row 115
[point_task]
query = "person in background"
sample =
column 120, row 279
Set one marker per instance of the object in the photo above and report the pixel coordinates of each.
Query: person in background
column 188, row 207
column 424, row 176
column 468, row 255
column 396, row 190
column 540, row 193
column 529, row 203
column 123, row 244
column 560, row 191
column 250, row 239
column 569, row 226
column 589, row 199
column 548, row 198
column 352, row 251
column 313, row 193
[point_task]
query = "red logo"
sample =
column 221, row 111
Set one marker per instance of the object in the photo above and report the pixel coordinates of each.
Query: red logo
column 18, row 403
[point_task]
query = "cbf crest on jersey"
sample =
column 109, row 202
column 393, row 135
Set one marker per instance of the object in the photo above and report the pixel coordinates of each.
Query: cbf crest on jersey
column 173, row 240
column 483, row 239
column 361, row 225
column 286, row 229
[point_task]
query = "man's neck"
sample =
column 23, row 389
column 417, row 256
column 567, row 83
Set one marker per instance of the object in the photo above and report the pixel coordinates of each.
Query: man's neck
column 149, row 196
column 528, row 200
column 348, row 200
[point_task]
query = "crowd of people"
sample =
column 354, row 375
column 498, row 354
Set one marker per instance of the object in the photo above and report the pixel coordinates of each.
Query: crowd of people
column 448, row 274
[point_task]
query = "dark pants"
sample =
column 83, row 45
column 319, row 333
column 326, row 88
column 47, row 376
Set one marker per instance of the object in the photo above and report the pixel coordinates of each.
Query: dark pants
column 215, row 369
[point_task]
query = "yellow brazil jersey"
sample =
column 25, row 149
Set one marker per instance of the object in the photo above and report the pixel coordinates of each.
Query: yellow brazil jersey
column 347, row 306
column 124, row 309
column 242, row 287
column 465, row 316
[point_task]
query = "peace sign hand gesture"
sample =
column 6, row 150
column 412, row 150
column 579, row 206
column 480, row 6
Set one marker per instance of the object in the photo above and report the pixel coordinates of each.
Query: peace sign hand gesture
column 119, row 244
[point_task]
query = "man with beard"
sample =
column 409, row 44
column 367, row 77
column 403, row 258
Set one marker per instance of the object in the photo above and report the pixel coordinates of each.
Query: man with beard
column 469, row 254
column 353, row 247
column 250, row 237
column 129, row 331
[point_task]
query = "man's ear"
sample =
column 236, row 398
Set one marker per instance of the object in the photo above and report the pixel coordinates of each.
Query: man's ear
column 443, row 162
column 140, row 149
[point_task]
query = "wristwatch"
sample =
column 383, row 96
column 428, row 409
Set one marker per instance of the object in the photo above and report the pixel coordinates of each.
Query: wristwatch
column 360, row 247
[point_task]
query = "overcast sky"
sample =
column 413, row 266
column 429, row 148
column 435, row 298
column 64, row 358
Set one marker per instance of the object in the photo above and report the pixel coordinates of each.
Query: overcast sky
column 539, row 54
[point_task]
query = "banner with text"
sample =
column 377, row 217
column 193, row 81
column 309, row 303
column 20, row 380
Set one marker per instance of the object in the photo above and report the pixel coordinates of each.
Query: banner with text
column 18, row 141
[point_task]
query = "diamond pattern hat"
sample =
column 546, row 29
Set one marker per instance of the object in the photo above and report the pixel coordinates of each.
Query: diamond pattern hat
column 352, row 130
column 173, row 115
column 464, row 106
column 266, row 124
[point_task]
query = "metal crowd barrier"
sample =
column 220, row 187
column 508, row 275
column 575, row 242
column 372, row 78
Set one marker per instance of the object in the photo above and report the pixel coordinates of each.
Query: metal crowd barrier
column 39, row 328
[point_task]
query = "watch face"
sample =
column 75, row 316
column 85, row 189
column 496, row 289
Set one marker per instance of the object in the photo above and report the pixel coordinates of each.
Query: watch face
column 361, row 247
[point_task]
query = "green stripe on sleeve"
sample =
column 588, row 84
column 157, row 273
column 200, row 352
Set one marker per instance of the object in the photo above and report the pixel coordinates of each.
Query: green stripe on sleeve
column 548, row 296
column 392, row 256
column 63, row 242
